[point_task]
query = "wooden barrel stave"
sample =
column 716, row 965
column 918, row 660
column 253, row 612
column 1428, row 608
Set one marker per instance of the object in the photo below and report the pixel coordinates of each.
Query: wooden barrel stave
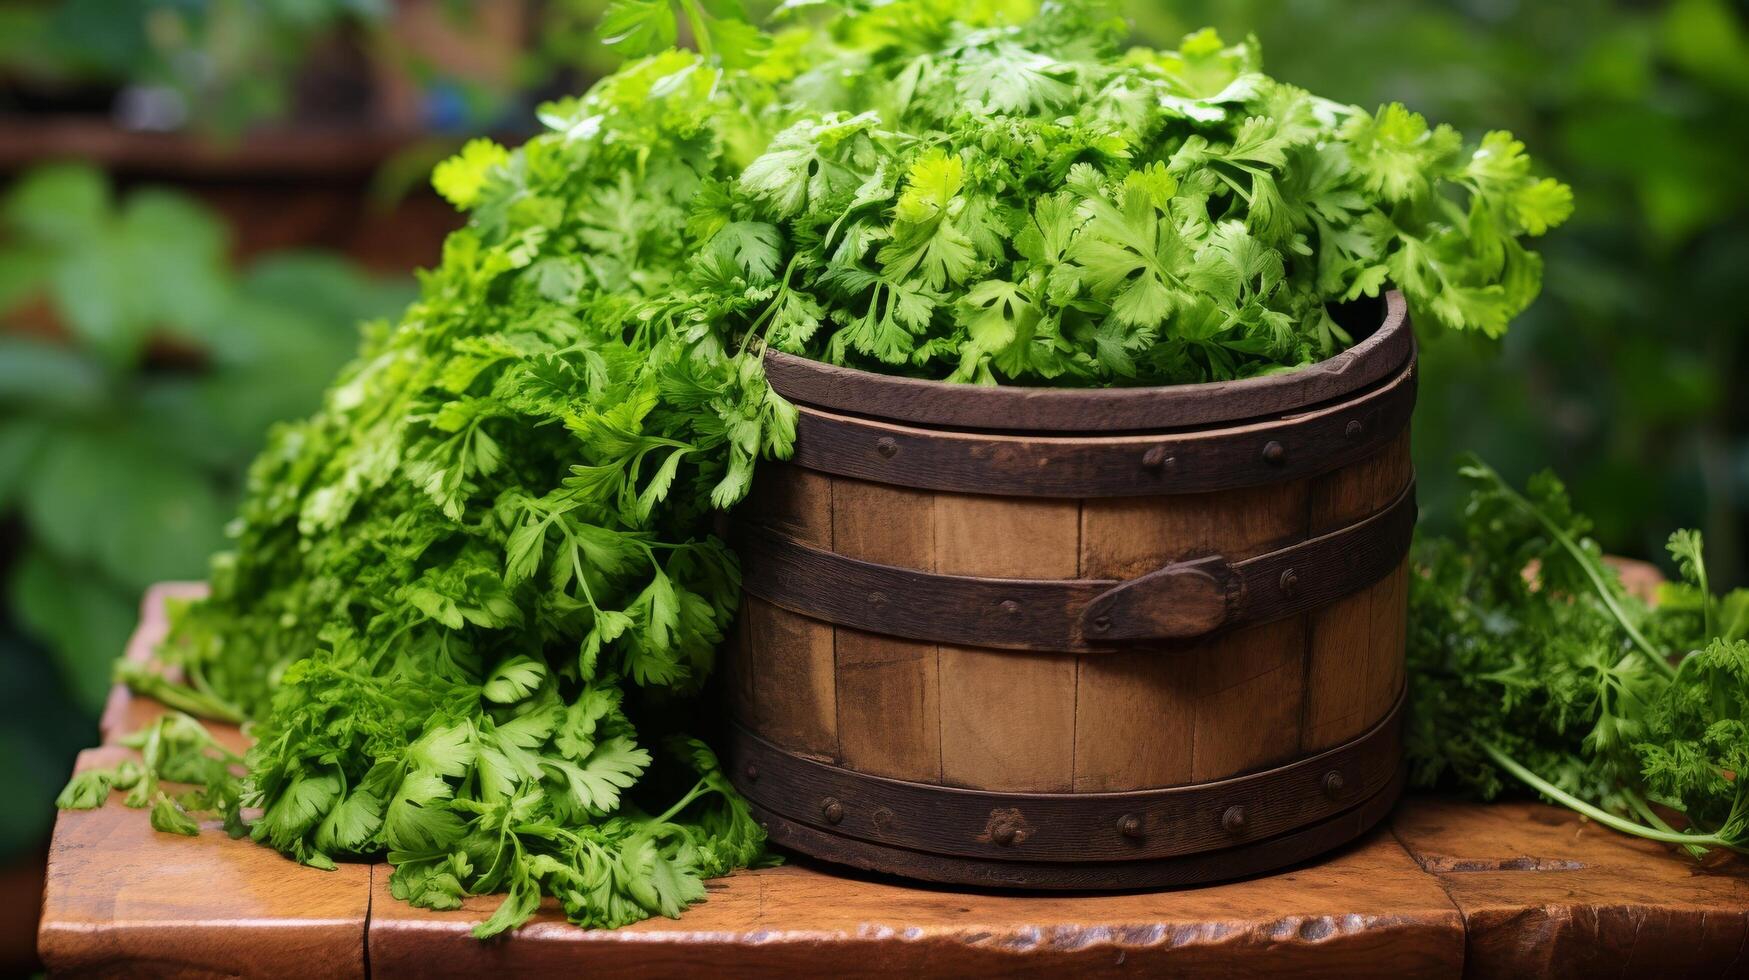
column 1354, row 666
column 1007, row 718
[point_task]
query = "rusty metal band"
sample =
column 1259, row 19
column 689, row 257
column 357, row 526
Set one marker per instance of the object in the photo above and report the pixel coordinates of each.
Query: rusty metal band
column 1017, row 407
column 1184, row 600
column 1241, row 861
column 1302, row 445
column 1067, row 827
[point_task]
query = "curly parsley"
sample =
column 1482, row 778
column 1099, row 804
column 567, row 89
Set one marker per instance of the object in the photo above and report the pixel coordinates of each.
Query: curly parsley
column 1563, row 683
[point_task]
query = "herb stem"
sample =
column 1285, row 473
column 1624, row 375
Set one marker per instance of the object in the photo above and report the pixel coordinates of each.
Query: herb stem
column 698, row 789
column 1651, row 817
column 701, row 34
column 182, row 697
column 1597, row 814
column 1589, row 565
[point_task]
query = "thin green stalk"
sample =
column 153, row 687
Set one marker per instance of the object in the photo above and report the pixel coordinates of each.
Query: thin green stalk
column 701, row 34
column 182, row 697
column 1601, row 816
column 1651, row 817
column 1598, row 582
column 698, row 789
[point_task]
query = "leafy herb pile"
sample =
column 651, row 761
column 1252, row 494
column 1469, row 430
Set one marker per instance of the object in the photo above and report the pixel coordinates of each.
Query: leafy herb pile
column 1563, row 682
column 955, row 198
column 468, row 591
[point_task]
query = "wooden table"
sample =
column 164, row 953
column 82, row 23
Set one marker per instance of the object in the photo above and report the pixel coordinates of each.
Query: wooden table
column 1446, row 889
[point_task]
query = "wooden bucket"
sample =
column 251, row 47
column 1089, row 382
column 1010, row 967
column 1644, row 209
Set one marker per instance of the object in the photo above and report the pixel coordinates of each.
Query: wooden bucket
column 1058, row 638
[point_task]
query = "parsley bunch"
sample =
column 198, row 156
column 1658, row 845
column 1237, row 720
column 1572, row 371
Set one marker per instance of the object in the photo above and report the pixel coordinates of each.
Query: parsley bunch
column 468, row 592
column 937, row 188
column 1561, row 682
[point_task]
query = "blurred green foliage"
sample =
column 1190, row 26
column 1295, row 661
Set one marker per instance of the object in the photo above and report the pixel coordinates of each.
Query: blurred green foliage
column 222, row 66
column 1627, row 375
column 138, row 375
column 231, row 62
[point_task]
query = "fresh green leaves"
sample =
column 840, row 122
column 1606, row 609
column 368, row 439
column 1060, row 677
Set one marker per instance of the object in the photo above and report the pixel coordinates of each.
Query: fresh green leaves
column 1529, row 664
column 173, row 749
column 514, row 680
column 1163, row 217
column 718, row 27
column 461, row 177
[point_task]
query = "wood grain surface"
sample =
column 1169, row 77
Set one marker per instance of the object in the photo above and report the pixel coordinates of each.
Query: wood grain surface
column 1448, row 889
column 1546, row 893
column 1309, row 443
column 805, row 921
column 123, row 899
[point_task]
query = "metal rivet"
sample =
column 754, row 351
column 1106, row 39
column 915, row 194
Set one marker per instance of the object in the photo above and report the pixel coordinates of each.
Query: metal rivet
column 752, row 772
column 1290, row 582
column 1233, row 821
column 1011, row 607
column 1274, row 453
column 832, row 810
column 1354, row 429
column 1006, row 828
column 1101, row 624
column 887, row 447
column 1130, row 826
column 1334, row 784
column 1156, row 459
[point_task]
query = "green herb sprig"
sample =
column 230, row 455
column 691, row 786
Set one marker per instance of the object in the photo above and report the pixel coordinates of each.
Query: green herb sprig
column 1563, row 683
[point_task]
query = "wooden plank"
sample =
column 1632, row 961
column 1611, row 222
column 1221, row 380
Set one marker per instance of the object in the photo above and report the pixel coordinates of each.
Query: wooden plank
column 1138, row 714
column 1387, row 672
column 795, row 679
column 122, row 899
column 1135, row 713
column 1006, row 538
column 1007, row 719
column 888, row 690
column 785, row 671
column 1366, row 912
column 1135, row 716
column 889, row 706
column 1250, row 685
column 739, row 666
column 1128, row 537
column 794, row 501
column 1354, row 662
column 1546, row 893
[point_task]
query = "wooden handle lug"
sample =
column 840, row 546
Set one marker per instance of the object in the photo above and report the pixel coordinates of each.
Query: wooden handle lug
column 1183, row 600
